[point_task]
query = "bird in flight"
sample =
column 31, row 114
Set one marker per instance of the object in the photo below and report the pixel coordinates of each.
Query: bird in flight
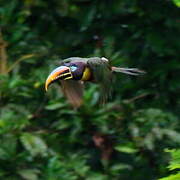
column 74, row 71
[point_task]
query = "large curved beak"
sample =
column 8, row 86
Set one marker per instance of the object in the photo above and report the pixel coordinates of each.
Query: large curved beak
column 62, row 73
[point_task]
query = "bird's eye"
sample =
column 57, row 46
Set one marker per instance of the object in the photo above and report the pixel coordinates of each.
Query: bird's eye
column 73, row 68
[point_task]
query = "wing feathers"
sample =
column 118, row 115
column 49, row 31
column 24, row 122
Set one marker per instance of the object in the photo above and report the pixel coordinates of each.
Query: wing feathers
column 73, row 90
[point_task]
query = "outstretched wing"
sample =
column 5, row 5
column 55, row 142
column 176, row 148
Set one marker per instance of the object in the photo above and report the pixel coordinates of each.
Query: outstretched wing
column 102, row 74
column 73, row 90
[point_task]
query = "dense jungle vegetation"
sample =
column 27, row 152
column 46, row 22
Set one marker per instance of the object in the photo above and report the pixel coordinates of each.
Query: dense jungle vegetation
column 136, row 135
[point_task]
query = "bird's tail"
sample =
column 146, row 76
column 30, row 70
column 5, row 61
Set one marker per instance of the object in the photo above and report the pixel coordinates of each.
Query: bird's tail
column 130, row 71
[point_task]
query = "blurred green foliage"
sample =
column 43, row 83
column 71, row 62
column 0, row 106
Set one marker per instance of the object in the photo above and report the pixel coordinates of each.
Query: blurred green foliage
column 174, row 165
column 42, row 136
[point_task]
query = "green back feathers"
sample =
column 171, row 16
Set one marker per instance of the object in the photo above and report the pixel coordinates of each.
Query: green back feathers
column 102, row 74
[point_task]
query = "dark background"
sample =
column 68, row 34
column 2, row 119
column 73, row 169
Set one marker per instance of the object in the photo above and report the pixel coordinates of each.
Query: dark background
column 42, row 136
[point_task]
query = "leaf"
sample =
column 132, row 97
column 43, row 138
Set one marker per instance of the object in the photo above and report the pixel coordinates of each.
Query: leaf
column 34, row 144
column 126, row 149
column 175, row 136
column 29, row 174
column 120, row 166
column 177, row 2
column 174, row 164
column 8, row 146
column 172, row 177
column 54, row 106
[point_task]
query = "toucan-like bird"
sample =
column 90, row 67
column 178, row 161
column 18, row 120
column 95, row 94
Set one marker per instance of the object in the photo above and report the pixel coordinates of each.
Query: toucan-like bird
column 74, row 71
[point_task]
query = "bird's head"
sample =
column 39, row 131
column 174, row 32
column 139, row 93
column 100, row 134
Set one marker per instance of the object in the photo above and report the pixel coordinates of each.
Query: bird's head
column 68, row 71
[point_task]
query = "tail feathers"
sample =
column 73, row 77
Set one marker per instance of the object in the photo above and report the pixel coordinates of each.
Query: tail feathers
column 130, row 71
